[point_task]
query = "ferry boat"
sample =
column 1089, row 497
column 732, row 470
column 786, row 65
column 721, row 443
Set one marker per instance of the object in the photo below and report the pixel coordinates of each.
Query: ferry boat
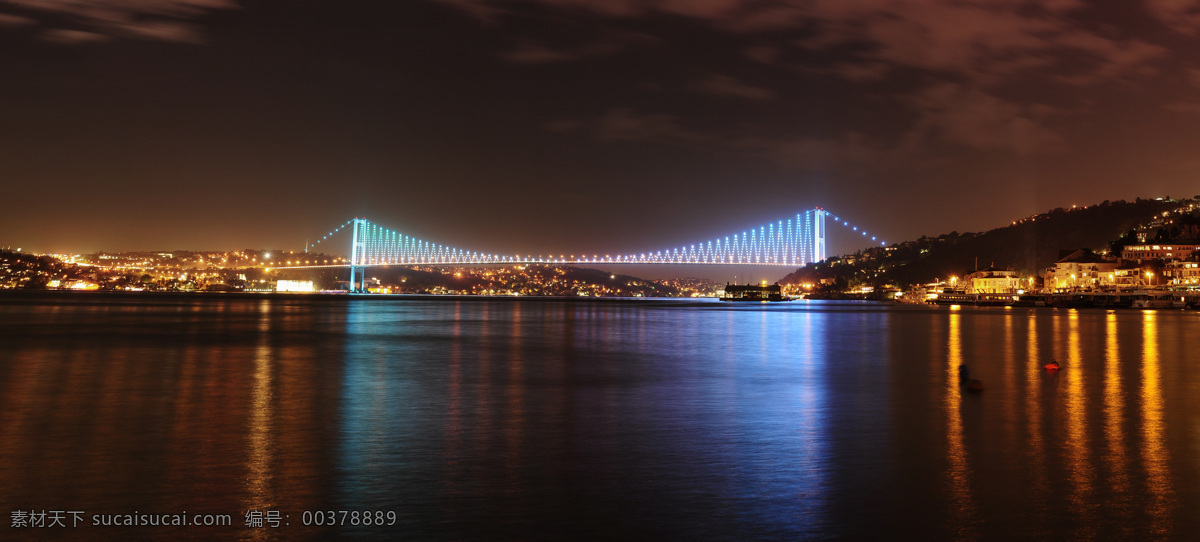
column 1030, row 300
column 951, row 297
column 750, row 292
column 1143, row 299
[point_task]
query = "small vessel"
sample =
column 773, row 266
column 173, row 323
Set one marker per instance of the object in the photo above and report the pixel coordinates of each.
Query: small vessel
column 1052, row 366
column 749, row 292
column 1157, row 299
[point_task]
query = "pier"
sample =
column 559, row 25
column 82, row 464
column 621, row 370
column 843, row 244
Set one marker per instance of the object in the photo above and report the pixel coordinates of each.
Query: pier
column 1136, row 299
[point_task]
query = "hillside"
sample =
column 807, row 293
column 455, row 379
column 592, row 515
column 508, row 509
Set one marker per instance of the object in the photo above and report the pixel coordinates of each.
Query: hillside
column 1028, row 245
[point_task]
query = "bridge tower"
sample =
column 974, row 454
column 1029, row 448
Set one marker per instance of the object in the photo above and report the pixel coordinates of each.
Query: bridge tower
column 818, row 235
column 356, row 254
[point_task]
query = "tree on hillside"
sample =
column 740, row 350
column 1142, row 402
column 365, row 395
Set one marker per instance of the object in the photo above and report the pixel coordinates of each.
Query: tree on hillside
column 1118, row 245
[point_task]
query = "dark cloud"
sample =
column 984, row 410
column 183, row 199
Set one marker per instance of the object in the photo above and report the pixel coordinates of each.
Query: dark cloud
column 164, row 20
column 563, row 125
column 957, row 115
column 1184, row 107
column 1180, row 15
column 448, row 114
column 72, row 37
column 14, row 21
column 849, row 155
column 763, row 54
column 723, row 85
column 533, row 53
column 984, row 42
column 626, row 125
column 528, row 51
column 968, row 50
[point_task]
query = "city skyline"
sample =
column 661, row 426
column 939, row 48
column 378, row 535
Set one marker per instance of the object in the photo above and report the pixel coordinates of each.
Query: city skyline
column 549, row 126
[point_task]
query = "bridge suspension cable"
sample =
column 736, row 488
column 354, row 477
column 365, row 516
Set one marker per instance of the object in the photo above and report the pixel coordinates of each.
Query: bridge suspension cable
column 792, row 242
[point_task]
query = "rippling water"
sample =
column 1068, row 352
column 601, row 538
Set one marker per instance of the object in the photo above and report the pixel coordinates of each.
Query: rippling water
column 552, row 419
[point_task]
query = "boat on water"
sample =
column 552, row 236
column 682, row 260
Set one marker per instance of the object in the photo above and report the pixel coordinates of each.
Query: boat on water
column 951, row 297
column 1030, row 300
column 1144, row 299
column 750, row 292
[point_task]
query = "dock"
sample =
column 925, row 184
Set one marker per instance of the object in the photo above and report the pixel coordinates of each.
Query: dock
column 1137, row 299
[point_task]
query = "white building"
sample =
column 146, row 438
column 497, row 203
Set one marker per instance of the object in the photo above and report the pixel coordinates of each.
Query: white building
column 1183, row 272
column 1081, row 270
column 294, row 286
column 1141, row 253
column 992, row 281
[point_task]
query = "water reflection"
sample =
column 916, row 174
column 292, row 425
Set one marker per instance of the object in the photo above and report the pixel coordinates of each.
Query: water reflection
column 541, row 417
column 23, row 383
column 549, row 419
column 1078, row 449
column 812, row 418
column 455, row 423
column 1036, row 455
column 1011, row 375
column 1154, row 453
column 514, row 389
column 1114, row 423
column 963, row 505
column 261, row 441
column 152, row 405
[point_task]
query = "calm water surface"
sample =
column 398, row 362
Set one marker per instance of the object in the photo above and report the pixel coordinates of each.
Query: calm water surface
column 633, row 419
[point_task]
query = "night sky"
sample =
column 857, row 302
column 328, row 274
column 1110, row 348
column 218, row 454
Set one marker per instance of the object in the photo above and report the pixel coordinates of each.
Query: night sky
column 563, row 126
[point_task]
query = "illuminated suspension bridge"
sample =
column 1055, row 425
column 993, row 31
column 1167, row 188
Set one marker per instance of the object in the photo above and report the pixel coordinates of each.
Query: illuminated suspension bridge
column 792, row 242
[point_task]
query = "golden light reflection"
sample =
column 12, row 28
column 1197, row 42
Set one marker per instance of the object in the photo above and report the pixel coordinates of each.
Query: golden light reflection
column 1010, row 376
column 956, row 455
column 261, row 453
column 18, row 395
column 1033, row 407
column 1114, row 406
column 1154, row 454
column 184, row 426
column 1078, row 458
column 261, row 416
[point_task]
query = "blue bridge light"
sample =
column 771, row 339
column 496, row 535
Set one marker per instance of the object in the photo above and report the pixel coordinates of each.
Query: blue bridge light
column 793, row 242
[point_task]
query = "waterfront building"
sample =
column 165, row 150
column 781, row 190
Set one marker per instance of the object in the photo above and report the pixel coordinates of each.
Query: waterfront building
column 1081, row 270
column 1128, row 276
column 294, row 286
column 1184, row 272
column 1144, row 252
column 992, row 281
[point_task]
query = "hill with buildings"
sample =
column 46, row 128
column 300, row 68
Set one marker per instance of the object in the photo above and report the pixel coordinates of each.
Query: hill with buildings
column 246, row 271
column 1027, row 246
